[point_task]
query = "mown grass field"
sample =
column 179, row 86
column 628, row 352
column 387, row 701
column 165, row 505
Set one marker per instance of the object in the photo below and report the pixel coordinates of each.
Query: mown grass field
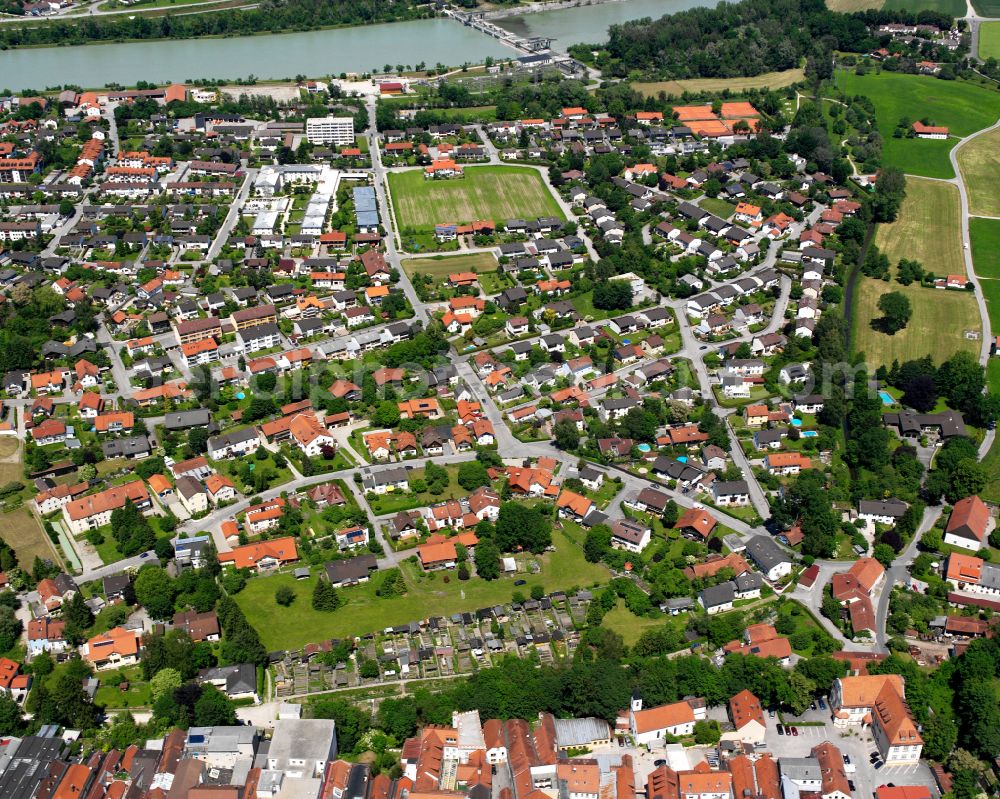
column 989, row 38
column 427, row 595
column 979, row 160
column 769, row 80
column 19, row 528
column 928, row 228
column 440, row 268
column 991, row 463
column 497, row 193
column 939, row 322
column 962, row 107
column 985, row 236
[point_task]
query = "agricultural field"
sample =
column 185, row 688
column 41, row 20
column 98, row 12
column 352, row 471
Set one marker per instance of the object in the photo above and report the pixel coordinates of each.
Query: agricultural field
column 497, row 193
column 769, row 80
column 987, row 8
column 979, row 161
column 438, row 268
column 435, row 594
column 928, row 228
column 850, row 6
column 962, row 107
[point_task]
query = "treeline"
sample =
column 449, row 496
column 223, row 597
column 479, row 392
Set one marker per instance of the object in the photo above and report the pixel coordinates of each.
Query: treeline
column 272, row 16
column 743, row 39
column 592, row 685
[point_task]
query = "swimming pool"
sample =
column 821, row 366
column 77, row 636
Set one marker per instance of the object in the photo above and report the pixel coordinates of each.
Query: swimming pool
column 809, row 434
column 241, row 396
column 796, row 423
column 682, row 459
column 886, row 398
column 644, row 448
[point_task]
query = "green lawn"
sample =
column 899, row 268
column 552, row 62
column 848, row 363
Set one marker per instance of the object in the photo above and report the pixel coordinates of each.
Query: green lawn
column 804, row 622
column 718, row 207
column 428, row 595
column 629, row 626
column 396, row 501
column 109, row 549
column 985, row 235
column 963, row 107
column 439, row 267
column 496, row 193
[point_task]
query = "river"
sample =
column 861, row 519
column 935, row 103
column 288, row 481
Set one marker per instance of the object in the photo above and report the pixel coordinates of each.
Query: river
column 314, row 53
column 589, row 24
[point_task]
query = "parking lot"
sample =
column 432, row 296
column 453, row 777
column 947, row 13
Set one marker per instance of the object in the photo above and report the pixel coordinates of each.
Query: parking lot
column 856, row 743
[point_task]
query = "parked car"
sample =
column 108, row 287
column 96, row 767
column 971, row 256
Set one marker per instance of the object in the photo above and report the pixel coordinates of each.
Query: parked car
column 822, row 704
column 878, row 764
column 781, row 730
column 770, row 712
column 795, row 731
column 813, row 706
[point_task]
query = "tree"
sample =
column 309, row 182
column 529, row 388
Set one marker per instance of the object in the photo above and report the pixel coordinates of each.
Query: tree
column 706, row 732
column 472, row 475
column 671, row 513
column 398, row 717
column 352, row 721
column 10, row 628
column 612, row 295
column 284, row 596
column 597, row 543
column 520, row 525
column 896, row 312
column 165, row 681
column 386, row 414
column 78, row 618
column 154, row 590
column 884, row 554
column 325, row 597
column 11, row 716
column 566, row 435
column 921, row 393
column 487, row 558
column 213, row 708
column 70, row 705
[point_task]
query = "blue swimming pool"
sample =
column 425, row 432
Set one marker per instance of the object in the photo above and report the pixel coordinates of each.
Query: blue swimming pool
column 241, row 395
column 809, row 434
column 644, row 448
column 886, row 398
column 683, row 458
column 796, row 423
